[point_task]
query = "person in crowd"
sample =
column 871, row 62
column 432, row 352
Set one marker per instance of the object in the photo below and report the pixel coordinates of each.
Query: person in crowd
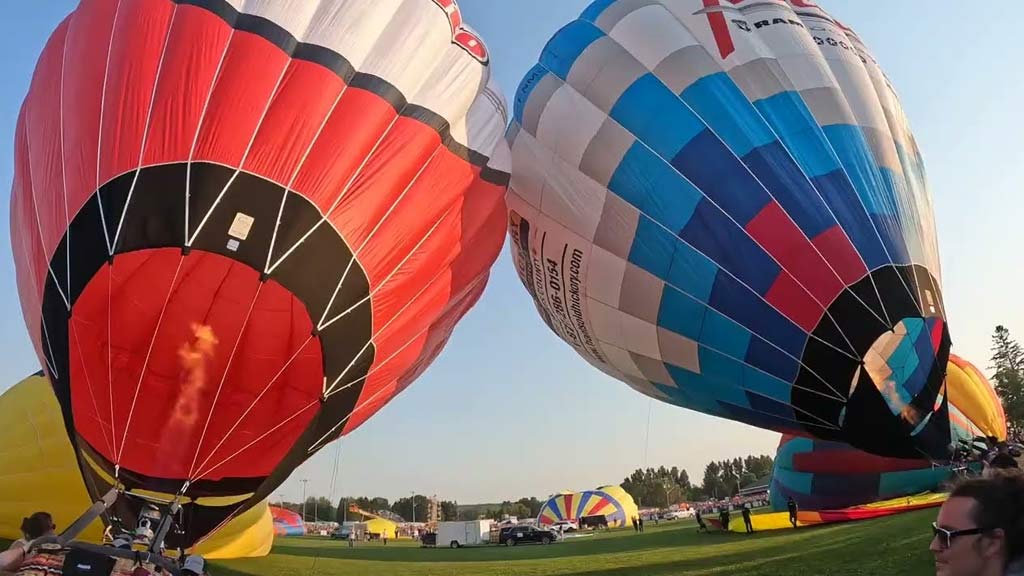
column 980, row 528
column 194, row 565
column 746, row 519
column 35, row 526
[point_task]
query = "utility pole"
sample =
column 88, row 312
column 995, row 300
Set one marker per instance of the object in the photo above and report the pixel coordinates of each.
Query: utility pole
column 413, row 507
column 304, row 480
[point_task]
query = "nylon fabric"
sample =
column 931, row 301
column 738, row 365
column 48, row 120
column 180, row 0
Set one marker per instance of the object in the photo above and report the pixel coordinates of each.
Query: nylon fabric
column 716, row 202
column 242, row 227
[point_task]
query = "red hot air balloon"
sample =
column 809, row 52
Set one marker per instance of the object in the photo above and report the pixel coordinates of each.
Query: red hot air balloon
column 240, row 227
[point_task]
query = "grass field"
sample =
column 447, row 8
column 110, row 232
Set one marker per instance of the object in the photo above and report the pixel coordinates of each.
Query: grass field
column 893, row 545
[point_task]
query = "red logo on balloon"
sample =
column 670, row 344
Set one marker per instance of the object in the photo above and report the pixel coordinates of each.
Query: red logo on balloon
column 720, row 27
column 464, row 38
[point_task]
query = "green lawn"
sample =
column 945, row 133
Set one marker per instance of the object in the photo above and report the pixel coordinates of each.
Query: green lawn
column 894, row 545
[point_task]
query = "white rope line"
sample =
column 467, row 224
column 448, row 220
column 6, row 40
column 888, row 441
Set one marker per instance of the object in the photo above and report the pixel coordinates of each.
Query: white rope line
column 149, row 352
column 199, row 128
column 145, row 131
column 358, row 251
column 88, row 385
column 295, row 175
column 224, row 376
column 324, row 217
column 739, row 281
column 99, row 136
column 377, row 290
column 37, row 304
column 849, row 179
column 442, row 269
column 35, row 206
column 207, row 471
column 245, row 156
column 743, row 230
column 254, row 402
column 63, row 167
column 103, row 221
column 415, row 337
column 412, row 252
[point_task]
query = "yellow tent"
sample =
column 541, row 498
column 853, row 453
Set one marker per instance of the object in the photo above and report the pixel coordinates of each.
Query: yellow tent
column 38, row 472
column 381, row 526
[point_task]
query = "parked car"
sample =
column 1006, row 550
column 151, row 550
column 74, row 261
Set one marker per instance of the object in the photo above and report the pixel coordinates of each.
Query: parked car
column 677, row 514
column 564, row 526
column 526, row 534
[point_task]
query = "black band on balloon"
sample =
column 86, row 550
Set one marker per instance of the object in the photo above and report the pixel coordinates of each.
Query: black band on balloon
column 337, row 63
column 155, row 218
column 866, row 419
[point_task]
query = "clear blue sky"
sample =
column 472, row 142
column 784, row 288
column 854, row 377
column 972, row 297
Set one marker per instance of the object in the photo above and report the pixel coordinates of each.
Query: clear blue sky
column 489, row 420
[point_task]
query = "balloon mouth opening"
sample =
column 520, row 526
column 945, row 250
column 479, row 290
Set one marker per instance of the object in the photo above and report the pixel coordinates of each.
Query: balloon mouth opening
column 898, row 365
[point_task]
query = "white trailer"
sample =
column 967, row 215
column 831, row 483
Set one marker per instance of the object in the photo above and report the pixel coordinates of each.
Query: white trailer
column 459, row 534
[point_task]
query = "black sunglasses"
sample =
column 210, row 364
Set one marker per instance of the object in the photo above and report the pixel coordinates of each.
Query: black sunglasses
column 946, row 536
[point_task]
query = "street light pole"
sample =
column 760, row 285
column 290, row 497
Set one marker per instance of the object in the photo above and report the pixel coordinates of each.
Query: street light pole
column 413, row 507
column 304, row 480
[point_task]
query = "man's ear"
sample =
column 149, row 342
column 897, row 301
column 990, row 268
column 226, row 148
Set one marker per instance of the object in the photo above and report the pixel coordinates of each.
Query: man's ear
column 993, row 544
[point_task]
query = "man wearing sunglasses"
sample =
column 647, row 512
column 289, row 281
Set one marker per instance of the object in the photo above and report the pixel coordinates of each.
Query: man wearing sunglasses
column 980, row 529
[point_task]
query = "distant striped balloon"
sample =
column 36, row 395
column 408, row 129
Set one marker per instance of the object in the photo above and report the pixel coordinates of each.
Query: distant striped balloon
column 721, row 204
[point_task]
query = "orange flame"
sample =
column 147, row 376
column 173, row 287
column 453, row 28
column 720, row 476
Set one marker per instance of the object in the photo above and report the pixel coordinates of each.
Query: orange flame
column 194, row 355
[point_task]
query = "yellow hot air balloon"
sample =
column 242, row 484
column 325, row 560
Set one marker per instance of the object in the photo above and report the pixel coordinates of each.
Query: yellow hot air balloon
column 974, row 407
column 39, row 472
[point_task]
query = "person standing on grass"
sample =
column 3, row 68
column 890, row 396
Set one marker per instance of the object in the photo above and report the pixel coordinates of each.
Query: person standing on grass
column 701, row 526
column 723, row 517
column 980, row 528
column 793, row 509
column 746, row 519
column 640, row 521
column 636, row 526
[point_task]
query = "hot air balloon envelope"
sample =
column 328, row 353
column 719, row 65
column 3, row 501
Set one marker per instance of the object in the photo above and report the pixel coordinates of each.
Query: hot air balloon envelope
column 240, row 228
column 720, row 203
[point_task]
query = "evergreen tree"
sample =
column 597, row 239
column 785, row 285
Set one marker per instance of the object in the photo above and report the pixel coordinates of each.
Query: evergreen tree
column 1008, row 363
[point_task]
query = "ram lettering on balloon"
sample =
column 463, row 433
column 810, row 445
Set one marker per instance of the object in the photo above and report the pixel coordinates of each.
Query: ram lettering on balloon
column 752, row 216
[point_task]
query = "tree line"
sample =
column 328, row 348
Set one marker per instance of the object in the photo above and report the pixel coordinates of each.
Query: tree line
column 408, row 508
column 723, row 478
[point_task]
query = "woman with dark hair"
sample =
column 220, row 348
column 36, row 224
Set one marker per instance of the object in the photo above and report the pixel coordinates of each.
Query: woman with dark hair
column 35, row 526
